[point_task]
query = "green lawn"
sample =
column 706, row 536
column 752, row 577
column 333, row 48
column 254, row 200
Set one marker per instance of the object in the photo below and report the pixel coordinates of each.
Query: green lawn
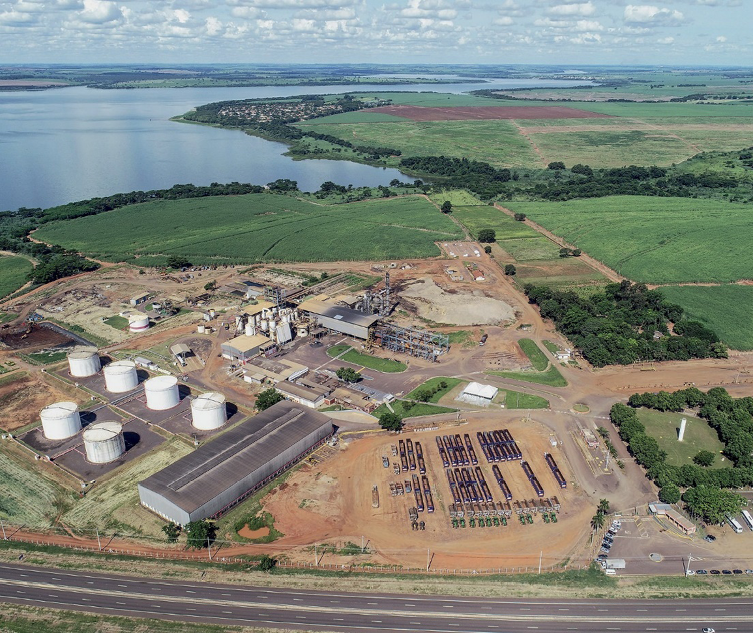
column 258, row 227
column 725, row 309
column 417, row 410
column 552, row 347
column 433, row 383
column 118, row 322
column 14, row 270
column 698, row 436
column 465, row 338
column 538, row 359
column 46, row 357
column 654, row 240
column 385, row 365
column 551, row 377
column 520, row 400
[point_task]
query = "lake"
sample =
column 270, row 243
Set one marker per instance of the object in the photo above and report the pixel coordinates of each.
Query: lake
column 68, row 144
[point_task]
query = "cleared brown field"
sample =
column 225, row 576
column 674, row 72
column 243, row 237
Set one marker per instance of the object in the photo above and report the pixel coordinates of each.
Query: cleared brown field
column 420, row 113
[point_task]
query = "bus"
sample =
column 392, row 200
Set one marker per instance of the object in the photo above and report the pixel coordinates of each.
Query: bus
column 734, row 524
column 748, row 519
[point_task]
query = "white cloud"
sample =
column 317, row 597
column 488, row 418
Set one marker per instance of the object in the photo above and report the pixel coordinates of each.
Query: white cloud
column 99, row 12
column 583, row 8
column 665, row 40
column 248, row 13
column 646, row 14
column 503, row 21
column 721, row 39
column 17, row 18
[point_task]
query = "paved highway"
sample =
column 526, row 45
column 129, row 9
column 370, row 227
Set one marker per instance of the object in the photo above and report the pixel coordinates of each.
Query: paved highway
column 340, row 611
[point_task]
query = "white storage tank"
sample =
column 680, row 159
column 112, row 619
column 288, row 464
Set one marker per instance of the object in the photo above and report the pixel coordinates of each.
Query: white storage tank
column 138, row 322
column 162, row 393
column 60, row 420
column 84, row 362
column 121, row 376
column 208, row 411
column 200, row 329
column 104, row 442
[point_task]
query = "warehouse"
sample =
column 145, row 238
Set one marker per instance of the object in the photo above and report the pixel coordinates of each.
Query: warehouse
column 310, row 397
column 221, row 473
column 340, row 319
column 478, row 394
column 244, row 347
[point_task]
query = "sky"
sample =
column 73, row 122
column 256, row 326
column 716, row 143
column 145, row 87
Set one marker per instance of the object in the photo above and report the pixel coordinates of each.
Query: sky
column 599, row 32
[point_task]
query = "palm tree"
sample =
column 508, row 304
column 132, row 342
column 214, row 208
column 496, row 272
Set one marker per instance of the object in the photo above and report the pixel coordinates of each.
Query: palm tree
column 603, row 506
column 597, row 521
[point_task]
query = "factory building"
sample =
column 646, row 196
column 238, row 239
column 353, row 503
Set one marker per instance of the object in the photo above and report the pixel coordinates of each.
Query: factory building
column 242, row 348
column 223, row 472
column 340, row 319
column 309, row 396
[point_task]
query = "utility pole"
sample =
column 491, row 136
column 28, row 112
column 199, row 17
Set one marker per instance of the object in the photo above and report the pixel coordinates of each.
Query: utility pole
column 687, row 569
column 99, row 543
column 361, row 544
column 428, row 558
column 5, row 538
column 541, row 554
column 209, row 548
column 316, row 555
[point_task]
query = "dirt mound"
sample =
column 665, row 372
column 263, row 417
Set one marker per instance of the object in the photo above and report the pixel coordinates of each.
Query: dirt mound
column 456, row 308
column 420, row 113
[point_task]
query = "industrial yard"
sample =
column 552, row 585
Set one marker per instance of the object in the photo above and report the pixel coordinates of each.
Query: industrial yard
column 155, row 374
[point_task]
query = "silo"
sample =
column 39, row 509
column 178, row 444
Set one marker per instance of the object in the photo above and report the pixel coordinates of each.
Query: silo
column 250, row 329
column 162, row 393
column 104, row 442
column 200, row 329
column 60, row 420
column 121, row 376
column 138, row 322
column 83, row 362
column 208, row 411
column 264, row 325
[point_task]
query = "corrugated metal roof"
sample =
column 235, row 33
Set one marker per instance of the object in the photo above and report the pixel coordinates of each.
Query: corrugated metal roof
column 245, row 343
column 479, row 390
column 339, row 313
column 211, row 469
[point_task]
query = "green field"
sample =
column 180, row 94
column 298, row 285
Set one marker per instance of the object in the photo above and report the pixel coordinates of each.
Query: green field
column 28, row 498
column 258, row 227
column 355, row 357
column 699, row 436
column 431, row 384
column 493, row 141
column 725, row 309
column 654, row 240
column 538, row 359
column 551, row 377
column 520, row 400
column 13, row 273
column 477, row 217
column 417, row 410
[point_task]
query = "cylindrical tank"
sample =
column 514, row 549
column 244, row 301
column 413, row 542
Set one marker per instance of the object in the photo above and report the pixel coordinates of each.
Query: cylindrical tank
column 302, row 331
column 208, row 411
column 138, row 322
column 104, row 442
column 60, row 420
column 162, row 393
column 121, row 376
column 238, row 320
column 257, row 320
column 212, row 313
column 250, row 328
column 264, row 325
column 200, row 329
column 84, row 362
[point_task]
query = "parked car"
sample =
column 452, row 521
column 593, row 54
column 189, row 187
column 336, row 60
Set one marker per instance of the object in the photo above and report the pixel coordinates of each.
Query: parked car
column 689, row 572
column 709, row 538
column 726, row 572
column 601, row 557
column 701, row 572
column 737, row 571
column 715, row 572
column 707, row 629
column 749, row 571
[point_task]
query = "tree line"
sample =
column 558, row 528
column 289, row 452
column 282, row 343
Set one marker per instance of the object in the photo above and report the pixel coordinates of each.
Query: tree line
column 625, row 323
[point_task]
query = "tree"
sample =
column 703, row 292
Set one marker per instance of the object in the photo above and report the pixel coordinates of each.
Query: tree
column 488, row 249
column 199, row 534
column 348, row 374
column 447, row 207
column 267, row 398
column 210, row 285
column 577, row 252
column 556, row 165
column 266, row 563
column 604, row 506
column 711, row 503
column 172, row 532
column 669, row 494
column 520, row 217
column 487, row 236
column 390, row 421
column 510, row 270
column 603, row 432
column 704, row 458
column 565, row 252
column 176, row 261
column 585, row 170
column 597, row 521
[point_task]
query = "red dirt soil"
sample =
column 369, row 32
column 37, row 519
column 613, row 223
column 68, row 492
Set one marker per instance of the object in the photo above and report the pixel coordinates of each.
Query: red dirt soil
column 419, row 113
column 247, row 532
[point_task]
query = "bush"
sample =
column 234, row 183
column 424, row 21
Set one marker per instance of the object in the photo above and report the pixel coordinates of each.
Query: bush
column 266, row 563
column 391, row 421
column 487, row 236
column 510, row 270
column 669, row 494
column 268, row 398
column 704, row 458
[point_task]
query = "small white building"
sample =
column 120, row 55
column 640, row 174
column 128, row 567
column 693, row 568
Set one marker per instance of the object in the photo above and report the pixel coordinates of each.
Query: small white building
column 478, row 394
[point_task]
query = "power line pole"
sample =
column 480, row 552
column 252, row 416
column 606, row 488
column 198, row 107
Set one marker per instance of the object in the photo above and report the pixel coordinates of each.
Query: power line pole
column 541, row 554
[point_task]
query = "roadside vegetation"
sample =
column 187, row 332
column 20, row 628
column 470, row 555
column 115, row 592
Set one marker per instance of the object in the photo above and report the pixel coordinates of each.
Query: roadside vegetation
column 551, row 377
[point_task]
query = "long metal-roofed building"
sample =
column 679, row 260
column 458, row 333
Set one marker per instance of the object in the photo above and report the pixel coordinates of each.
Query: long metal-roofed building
column 340, row 319
column 244, row 347
column 223, row 472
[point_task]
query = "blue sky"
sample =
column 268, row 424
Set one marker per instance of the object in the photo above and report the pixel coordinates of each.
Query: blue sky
column 677, row 32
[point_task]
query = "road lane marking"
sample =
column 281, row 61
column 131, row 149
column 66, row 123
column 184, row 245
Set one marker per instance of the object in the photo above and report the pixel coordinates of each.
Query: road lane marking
column 189, row 591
